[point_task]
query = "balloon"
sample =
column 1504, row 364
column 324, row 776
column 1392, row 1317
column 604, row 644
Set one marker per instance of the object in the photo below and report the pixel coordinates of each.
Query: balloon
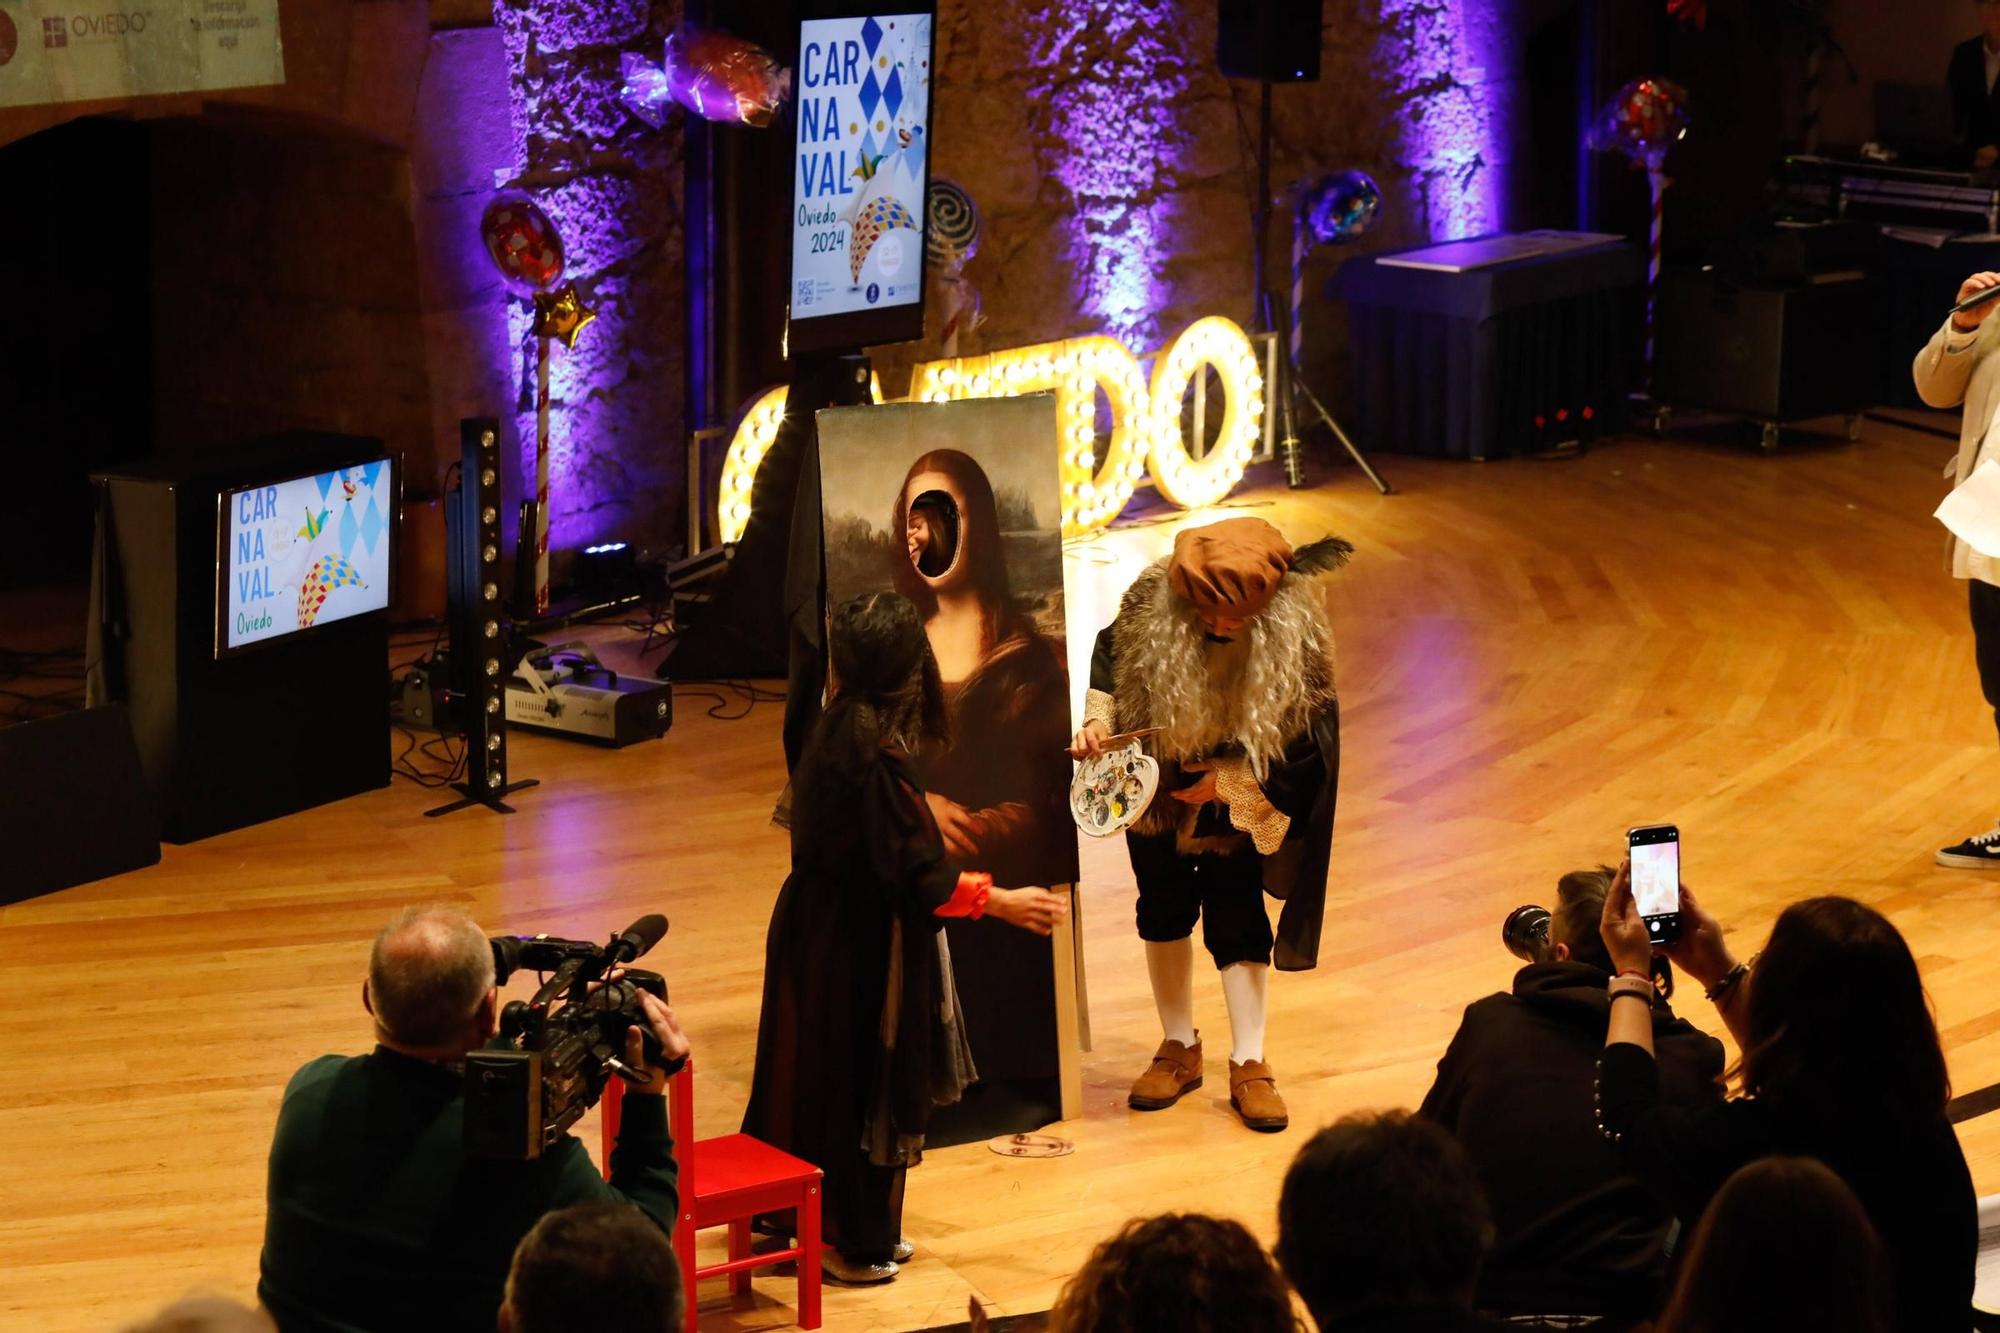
column 954, row 226
column 714, row 75
column 523, row 243
column 1339, row 207
column 1643, row 121
column 561, row 314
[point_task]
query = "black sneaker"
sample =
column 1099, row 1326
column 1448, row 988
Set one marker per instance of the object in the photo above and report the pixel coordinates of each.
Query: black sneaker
column 1977, row 852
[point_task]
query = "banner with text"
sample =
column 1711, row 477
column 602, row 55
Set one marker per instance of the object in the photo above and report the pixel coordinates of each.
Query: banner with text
column 86, row 50
column 864, row 94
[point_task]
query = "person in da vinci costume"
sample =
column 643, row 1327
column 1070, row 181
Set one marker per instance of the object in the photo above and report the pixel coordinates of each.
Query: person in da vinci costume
column 1226, row 649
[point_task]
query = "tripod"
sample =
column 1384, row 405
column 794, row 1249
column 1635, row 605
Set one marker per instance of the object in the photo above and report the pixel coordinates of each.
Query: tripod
column 1267, row 322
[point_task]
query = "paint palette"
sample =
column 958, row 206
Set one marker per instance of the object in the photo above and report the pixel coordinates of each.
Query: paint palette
column 1113, row 790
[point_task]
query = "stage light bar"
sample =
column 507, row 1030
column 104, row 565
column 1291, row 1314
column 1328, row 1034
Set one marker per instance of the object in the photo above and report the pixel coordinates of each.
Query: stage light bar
column 1145, row 419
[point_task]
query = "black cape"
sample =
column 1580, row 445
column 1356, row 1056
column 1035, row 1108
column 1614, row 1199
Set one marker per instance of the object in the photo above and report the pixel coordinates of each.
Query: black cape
column 1302, row 785
column 865, row 852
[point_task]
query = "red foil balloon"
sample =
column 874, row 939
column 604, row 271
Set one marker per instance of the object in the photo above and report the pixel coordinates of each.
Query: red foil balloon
column 522, row 243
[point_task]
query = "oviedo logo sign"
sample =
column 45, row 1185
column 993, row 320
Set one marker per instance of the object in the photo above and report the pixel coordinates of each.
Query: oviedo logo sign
column 10, row 38
column 1145, row 419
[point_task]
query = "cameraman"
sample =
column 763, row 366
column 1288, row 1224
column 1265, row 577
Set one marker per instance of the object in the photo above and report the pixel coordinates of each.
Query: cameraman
column 376, row 1218
column 1576, row 1234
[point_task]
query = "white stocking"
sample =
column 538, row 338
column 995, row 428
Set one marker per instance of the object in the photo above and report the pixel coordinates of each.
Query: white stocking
column 1245, row 987
column 1170, row 964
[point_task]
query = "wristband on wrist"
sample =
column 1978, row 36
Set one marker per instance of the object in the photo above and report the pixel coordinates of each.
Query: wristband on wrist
column 968, row 899
column 1634, row 993
column 1731, row 979
column 1635, row 973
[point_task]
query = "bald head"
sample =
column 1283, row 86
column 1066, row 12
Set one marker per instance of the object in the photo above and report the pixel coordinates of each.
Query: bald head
column 428, row 978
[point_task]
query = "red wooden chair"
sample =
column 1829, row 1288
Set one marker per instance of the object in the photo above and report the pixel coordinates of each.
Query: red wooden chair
column 729, row 1180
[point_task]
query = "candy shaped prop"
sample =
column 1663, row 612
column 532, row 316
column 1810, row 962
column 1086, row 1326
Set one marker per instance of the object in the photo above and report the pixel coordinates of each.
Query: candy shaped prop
column 1645, row 119
column 1111, row 791
column 527, row 249
column 724, row 78
column 954, row 226
column 880, row 214
column 951, row 240
column 1332, row 210
column 522, row 243
column 327, row 573
column 644, row 89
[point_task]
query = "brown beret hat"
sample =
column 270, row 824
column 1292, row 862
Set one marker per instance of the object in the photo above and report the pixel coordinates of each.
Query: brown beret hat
column 1230, row 568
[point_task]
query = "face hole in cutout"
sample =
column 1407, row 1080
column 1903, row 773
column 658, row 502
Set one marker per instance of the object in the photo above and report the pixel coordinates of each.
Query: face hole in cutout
column 932, row 534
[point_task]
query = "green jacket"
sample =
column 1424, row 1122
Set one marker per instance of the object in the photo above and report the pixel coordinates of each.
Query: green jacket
column 376, row 1219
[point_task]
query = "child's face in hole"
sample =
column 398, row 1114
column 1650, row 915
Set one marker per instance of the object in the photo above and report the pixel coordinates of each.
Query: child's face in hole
column 930, row 536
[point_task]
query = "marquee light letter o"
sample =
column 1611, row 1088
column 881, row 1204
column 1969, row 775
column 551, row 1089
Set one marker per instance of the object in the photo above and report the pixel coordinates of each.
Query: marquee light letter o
column 1216, row 342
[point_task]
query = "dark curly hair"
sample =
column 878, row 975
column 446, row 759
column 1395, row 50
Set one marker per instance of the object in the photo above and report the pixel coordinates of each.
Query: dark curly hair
column 1176, row 1273
column 884, row 673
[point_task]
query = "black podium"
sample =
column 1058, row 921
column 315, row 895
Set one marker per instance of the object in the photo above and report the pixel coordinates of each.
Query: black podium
column 227, row 740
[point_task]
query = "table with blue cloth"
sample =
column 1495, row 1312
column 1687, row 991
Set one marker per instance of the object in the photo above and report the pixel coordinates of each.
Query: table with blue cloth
column 1508, row 358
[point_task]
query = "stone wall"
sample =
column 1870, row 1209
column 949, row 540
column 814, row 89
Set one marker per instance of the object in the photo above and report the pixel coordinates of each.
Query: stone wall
column 1115, row 167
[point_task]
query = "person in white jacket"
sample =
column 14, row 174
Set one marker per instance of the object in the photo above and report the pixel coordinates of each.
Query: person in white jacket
column 1960, row 365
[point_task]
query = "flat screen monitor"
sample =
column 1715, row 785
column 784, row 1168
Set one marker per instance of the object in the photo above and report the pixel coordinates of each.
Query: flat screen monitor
column 301, row 553
column 861, row 173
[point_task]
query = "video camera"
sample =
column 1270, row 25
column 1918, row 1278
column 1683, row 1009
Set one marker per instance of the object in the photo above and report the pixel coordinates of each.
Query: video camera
column 556, row 1051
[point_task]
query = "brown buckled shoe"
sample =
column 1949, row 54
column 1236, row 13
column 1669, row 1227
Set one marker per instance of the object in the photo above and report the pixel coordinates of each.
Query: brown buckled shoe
column 1175, row 1072
column 1253, row 1091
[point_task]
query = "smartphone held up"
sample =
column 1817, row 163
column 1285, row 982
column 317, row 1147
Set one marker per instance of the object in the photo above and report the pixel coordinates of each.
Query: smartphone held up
column 1655, row 854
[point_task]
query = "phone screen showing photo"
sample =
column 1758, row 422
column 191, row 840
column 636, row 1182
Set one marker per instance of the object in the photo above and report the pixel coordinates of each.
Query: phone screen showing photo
column 1656, row 878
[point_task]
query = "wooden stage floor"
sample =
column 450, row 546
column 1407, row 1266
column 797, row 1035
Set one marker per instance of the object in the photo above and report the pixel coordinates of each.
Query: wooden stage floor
column 1533, row 655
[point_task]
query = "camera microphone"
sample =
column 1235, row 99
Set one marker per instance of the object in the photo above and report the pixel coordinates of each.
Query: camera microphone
column 636, row 939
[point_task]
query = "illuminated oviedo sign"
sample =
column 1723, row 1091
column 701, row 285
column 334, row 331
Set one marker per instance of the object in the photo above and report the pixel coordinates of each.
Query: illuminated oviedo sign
column 1145, row 419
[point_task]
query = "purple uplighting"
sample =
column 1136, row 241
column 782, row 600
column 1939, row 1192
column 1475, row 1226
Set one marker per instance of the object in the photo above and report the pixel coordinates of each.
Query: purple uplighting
column 1437, row 55
column 1114, row 70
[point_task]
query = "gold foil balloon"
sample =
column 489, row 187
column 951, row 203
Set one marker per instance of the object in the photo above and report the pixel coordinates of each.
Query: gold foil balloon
column 561, row 314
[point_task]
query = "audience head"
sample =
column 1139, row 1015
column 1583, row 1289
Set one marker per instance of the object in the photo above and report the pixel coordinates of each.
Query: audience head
column 1381, row 1209
column 593, row 1268
column 205, row 1314
column 1573, row 926
column 1784, row 1244
column 1840, row 1033
column 430, row 983
column 1176, row 1273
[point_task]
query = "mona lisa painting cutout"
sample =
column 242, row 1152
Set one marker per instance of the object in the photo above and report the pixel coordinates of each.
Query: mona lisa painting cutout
column 958, row 507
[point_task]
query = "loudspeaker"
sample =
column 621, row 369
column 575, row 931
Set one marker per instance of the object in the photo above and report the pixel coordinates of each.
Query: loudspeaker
column 231, row 741
column 77, row 808
column 479, row 661
column 1770, row 353
column 1274, row 40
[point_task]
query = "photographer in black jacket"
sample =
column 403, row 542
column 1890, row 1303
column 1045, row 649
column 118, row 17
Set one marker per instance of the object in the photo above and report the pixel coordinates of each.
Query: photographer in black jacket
column 376, row 1217
column 1576, row 1233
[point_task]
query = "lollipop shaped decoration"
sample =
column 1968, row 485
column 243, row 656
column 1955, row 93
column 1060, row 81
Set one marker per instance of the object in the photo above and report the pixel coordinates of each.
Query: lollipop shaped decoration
column 522, row 243
column 1332, row 210
column 528, row 250
column 1645, row 119
column 954, row 226
column 951, row 241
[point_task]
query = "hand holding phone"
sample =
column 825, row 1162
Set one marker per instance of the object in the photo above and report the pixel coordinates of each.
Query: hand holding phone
column 1655, row 854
